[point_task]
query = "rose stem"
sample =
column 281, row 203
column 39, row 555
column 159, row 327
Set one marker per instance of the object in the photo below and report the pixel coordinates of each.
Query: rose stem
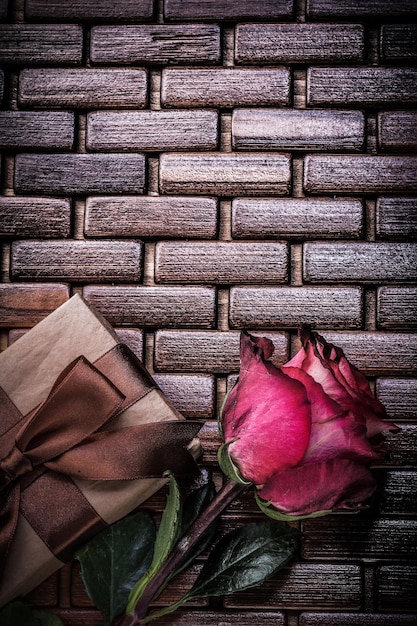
column 221, row 500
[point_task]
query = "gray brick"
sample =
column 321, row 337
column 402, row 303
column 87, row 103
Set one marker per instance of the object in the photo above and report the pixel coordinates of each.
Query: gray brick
column 306, row 585
column 206, row 351
column 221, row 262
column 152, row 130
column 397, row 307
column 299, row 43
column 1, row 85
column 348, row 619
column 360, row 86
column 396, row 585
column 277, row 129
column 133, row 338
column 225, row 174
column 157, row 43
column 192, row 394
column 151, row 216
column 76, row 261
column 398, row 130
column 25, row 305
column 360, row 174
column 297, row 217
column 34, row 217
column 83, row 88
column 396, row 217
column 360, row 261
column 399, row 396
column 33, row 44
column 225, row 87
column 360, row 8
column 288, row 307
column 80, row 173
column 96, row 10
column 35, row 129
column 398, row 42
column 154, row 306
column 227, row 9
column 378, row 353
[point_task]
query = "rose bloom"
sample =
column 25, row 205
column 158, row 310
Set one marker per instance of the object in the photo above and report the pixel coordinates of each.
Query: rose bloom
column 305, row 433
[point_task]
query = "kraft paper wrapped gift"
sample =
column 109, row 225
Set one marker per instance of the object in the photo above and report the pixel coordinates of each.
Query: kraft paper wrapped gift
column 62, row 502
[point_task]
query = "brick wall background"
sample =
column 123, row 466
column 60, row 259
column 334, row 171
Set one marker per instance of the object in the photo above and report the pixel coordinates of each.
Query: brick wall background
column 197, row 167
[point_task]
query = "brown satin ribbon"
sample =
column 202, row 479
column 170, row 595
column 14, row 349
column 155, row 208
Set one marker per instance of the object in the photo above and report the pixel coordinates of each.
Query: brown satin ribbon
column 62, row 435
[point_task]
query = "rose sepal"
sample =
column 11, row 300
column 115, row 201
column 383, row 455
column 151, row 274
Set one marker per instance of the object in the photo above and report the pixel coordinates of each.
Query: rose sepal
column 227, row 466
column 268, row 509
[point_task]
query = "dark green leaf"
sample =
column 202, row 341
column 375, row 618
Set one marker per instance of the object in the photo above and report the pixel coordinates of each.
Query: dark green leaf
column 268, row 509
column 245, row 557
column 18, row 613
column 115, row 559
column 165, row 540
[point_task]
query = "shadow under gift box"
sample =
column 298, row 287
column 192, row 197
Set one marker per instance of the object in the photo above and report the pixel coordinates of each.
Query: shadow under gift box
column 28, row 371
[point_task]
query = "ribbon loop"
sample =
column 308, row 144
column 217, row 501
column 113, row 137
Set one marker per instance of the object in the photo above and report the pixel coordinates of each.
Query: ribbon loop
column 12, row 467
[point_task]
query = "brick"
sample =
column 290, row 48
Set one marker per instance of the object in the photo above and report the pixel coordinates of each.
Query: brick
column 402, row 447
column 397, row 495
column 297, row 217
column 26, row 305
column 288, row 307
column 35, row 129
column 227, row 9
column 341, row 537
column 356, row 619
column 154, row 306
column 96, row 10
column 3, row 8
column 360, row 8
column 397, row 307
column 192, row 394
column 378, row 353
column 34, row 44
column 398, row 130
column 359, row 261
column 151, row 216
column 206, row 351
column 156, row 43
column 299, row 43
column 152, row 130
column 275, row 129
column 76, row 261
column 132, row 337
column 398, row 42
column 80, row 173
column 225, row 87
column 396, row 588
column 396, row 217
column 399, row 396
column 305, row 585
column 1, row 85
column 225, row 174
column 83, row 88
column 222, row 618
column 360, row 174
column 46, row 594
column 72, row 617
column 221, row 262
column 359, row 86
column 34, row 217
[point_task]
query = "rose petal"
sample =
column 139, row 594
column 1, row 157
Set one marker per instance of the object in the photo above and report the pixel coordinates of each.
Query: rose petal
column 269, row 414
column 338, row 484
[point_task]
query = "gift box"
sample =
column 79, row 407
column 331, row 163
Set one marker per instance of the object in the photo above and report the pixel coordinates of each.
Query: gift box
column 85, row 437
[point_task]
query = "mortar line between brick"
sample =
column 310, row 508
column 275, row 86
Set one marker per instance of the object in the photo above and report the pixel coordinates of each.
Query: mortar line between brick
column 5, row 264
column 149, row 264
column 228, row 46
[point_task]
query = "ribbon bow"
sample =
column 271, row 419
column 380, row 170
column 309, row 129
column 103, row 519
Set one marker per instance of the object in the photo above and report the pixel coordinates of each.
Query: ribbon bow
column 61, row 435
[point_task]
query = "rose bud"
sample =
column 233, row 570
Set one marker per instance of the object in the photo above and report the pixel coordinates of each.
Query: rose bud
column 303, row 434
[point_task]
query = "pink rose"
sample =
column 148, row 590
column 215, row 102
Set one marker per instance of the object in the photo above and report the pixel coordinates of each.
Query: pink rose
column 305, row 433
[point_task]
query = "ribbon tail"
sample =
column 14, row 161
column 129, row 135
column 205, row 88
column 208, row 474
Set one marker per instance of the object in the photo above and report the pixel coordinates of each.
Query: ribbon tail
column 142, row 451
column 9, row 514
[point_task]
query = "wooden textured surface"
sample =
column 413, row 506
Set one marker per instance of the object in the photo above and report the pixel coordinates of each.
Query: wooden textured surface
column 193, row 168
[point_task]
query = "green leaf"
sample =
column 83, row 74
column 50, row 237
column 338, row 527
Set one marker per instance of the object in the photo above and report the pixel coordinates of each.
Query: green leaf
column 268, row 509
column 227, row 466
column 220, row 413
column 245, row 557
column 166, row 538
column 18, row 613
column 113, row 561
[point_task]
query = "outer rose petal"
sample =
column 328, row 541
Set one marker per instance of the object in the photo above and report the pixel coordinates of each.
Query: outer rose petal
column 268, row 413
column 334, row 485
